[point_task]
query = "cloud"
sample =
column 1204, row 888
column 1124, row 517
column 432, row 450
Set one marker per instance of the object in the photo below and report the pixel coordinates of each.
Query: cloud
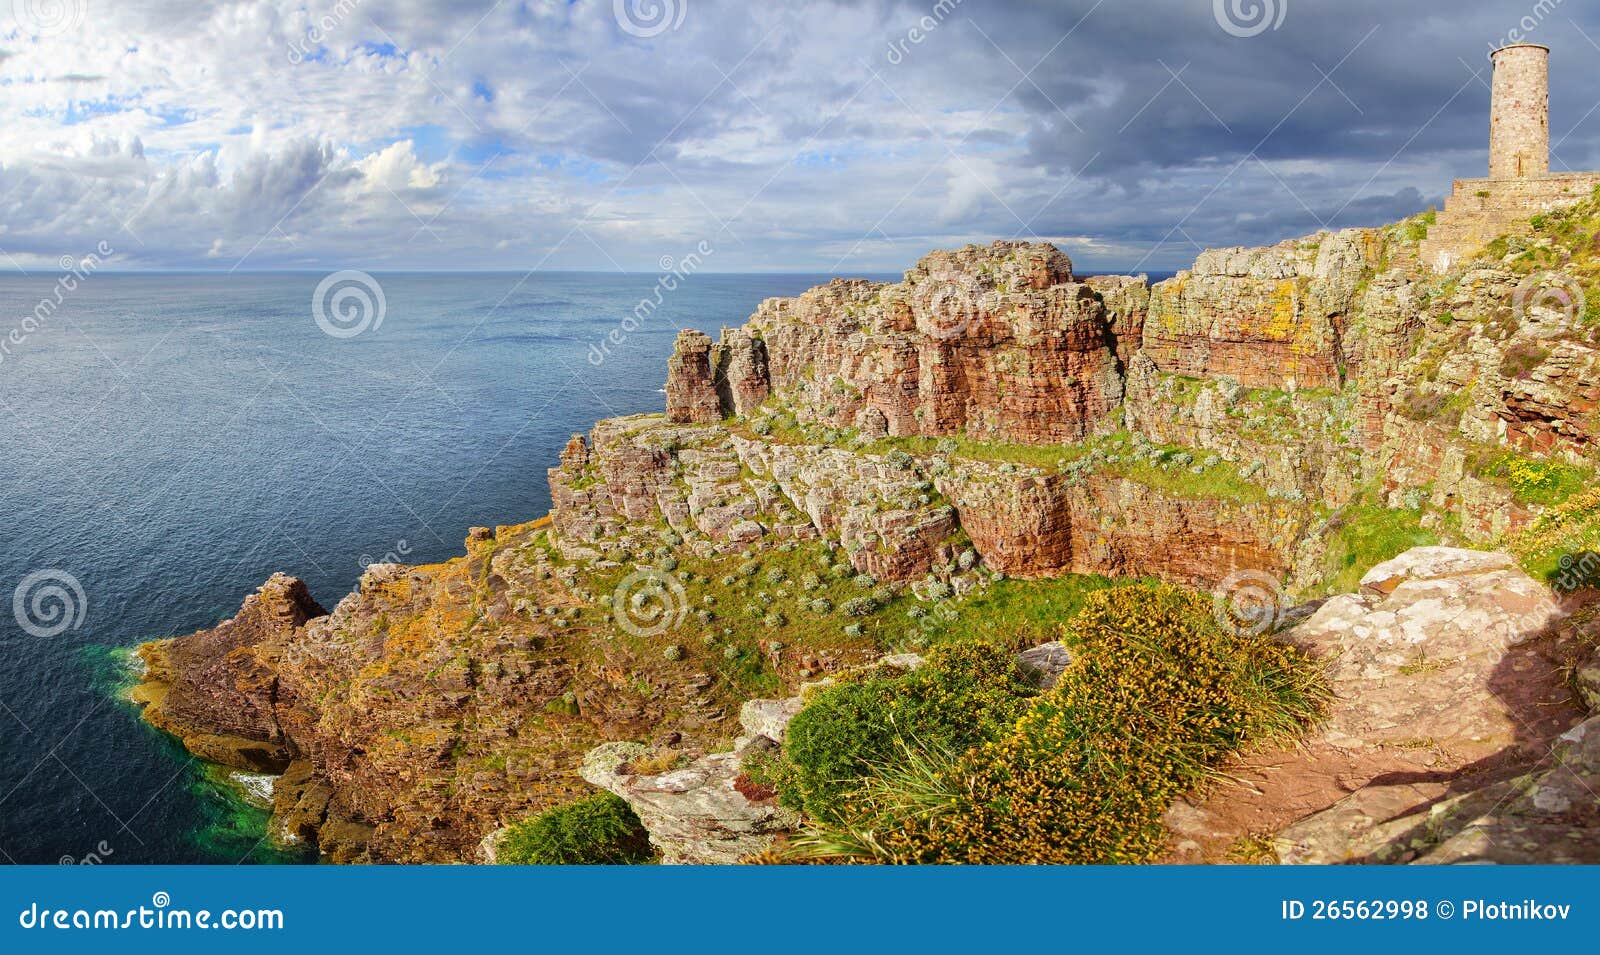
column 816, row 136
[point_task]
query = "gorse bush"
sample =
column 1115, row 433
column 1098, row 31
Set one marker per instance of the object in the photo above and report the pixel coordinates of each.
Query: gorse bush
column 597, row 830
column 1157, row 698
column 964, row 695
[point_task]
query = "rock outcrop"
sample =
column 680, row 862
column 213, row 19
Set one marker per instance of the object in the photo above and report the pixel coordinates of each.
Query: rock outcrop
column 215, row 693
column 1446, row 671
column 691, row 388
column 706, row 813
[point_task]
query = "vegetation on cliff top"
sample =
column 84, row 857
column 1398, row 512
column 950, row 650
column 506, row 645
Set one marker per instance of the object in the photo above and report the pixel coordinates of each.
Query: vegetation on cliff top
column 1158, row 696
column 596, row 830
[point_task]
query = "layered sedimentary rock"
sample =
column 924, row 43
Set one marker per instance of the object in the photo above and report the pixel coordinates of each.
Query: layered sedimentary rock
column 691, row 389
column 995, row 341
column 1269, row 318
column 1049, row 525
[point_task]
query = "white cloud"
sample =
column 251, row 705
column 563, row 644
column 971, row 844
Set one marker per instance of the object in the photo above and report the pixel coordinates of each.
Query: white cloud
column 396, row 133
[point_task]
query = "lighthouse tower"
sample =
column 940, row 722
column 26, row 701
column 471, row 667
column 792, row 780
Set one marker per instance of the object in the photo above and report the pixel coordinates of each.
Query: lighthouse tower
column 1519, row 113
column 1520, row 184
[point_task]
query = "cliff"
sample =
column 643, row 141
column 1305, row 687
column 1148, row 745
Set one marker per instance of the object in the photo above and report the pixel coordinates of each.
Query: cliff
column 870, row 468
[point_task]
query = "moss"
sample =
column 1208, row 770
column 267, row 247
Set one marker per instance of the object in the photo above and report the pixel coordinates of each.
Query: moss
column 1562, row 531
column 1533, row 481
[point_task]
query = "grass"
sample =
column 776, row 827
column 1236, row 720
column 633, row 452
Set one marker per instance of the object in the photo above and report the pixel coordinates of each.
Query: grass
column 732, row 605
column 1011, row 612
column 1539, row 482
column 1562, row 531
column 1362, row 535
column 1171, row 472
column 1158, row 696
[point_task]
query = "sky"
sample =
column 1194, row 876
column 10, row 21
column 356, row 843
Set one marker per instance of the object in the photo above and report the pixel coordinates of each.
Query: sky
column 820, row 137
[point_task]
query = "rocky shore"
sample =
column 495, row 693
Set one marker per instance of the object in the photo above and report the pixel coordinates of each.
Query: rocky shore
column 864, row 458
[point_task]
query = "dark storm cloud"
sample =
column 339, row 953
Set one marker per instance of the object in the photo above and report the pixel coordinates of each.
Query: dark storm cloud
column 821, row 136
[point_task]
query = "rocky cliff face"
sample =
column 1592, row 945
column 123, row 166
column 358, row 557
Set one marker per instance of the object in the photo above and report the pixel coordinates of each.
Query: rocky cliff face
column 865, row 457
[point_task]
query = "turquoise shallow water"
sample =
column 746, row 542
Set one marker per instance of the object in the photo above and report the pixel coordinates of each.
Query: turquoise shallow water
column 170, row 440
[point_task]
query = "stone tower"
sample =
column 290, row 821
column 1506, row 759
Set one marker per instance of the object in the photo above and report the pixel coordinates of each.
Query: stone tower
column 1519, row 116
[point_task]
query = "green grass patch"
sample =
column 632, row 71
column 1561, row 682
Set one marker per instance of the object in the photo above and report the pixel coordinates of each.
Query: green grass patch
column 1363, row 535
column 1535, row 481
column 964, row 695
column 1012, row 612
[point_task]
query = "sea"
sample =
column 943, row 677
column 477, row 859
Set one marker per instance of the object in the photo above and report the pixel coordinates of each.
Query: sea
column 169, row 440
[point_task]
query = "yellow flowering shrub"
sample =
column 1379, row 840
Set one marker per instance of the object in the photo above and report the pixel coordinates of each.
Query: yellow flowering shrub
column 1159, row 696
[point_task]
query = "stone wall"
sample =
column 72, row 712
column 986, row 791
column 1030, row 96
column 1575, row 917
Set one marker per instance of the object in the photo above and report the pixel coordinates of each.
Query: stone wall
column 1479, row 211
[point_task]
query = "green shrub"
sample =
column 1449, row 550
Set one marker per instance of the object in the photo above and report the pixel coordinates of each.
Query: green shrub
column 962, row 696
column 597, row 830
column 1159, row 696
column 859, row 606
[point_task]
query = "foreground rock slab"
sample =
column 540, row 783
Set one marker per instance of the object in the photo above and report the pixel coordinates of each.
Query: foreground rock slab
column 1447, row 676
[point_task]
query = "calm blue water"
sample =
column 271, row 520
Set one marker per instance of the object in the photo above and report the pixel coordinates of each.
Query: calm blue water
column 171, row 440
